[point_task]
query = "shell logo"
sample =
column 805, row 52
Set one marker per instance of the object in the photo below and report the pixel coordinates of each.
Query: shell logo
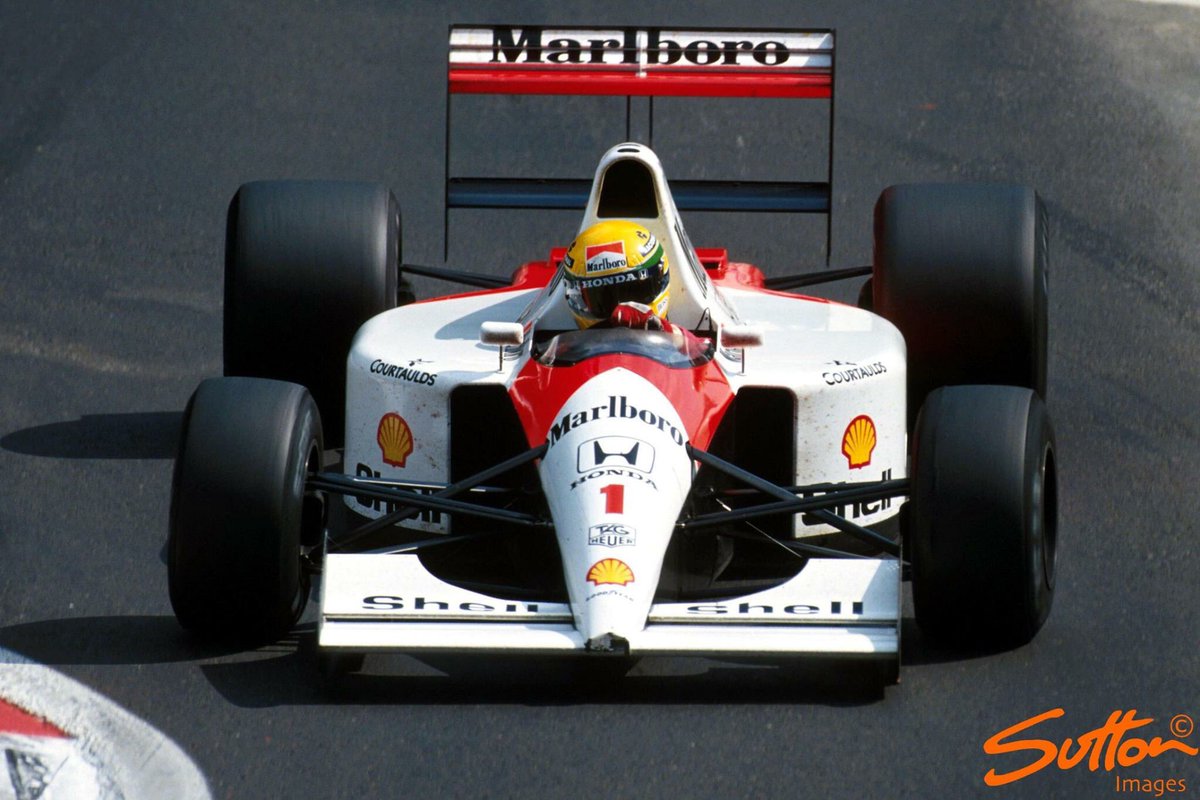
column 610, row 570
column 395, row 439
column 858, row 442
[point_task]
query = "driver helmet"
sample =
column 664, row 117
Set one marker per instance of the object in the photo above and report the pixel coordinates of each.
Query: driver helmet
column 615, row 262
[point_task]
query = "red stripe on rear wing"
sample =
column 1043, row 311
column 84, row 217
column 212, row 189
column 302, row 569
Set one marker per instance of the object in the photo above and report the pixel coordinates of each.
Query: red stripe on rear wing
column 667, row 85
column 639, row 62
column 649, row 62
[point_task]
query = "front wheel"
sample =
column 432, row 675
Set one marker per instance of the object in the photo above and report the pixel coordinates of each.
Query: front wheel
column 983, row 520
column 239, row 512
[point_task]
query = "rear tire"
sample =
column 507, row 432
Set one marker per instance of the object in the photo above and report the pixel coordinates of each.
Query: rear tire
column 961, row 270
column 239, row 511
column 983, row 517
column 866, row 295
column 307, row 263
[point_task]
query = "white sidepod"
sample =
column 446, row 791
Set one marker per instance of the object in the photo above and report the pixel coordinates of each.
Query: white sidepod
column 615, row 476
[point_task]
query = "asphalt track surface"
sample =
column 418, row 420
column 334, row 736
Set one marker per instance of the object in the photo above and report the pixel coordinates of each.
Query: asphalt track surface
column 126, row 127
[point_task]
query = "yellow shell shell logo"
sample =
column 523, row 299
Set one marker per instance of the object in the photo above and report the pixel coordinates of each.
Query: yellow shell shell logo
column 610, row 570
column 858, row 442
column 395, row 439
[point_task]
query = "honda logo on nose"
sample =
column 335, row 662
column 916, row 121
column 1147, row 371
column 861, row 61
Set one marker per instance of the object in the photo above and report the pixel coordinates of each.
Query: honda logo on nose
column 616, row 451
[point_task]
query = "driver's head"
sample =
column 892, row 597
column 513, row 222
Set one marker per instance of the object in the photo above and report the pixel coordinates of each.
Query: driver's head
column 613, row 262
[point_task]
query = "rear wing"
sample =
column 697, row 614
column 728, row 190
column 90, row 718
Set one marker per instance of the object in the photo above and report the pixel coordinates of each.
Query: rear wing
column 640, row 62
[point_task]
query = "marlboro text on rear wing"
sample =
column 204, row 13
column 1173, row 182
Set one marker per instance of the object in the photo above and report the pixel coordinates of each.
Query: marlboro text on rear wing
column 640, row 62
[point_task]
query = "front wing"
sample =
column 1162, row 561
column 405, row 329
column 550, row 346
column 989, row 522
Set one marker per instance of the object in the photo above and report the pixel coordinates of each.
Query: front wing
column 391, row 603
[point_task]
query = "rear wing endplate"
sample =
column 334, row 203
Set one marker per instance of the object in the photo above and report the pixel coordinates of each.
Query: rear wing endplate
column 640, row 62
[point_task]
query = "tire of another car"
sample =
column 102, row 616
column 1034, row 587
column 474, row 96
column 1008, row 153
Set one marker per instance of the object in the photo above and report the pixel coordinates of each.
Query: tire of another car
column 983, row 516
column 239, row 512
column 961, row 270
column 306, row 264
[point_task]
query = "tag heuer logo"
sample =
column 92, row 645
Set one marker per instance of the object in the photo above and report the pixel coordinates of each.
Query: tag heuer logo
column 612, row 534
column 616, row 451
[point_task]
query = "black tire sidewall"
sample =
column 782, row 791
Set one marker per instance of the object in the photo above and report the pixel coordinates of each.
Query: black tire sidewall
column 237, row 503
column 984, row 497
column 1041, row 509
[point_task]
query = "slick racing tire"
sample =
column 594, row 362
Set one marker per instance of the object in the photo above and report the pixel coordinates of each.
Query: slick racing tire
column 961, row 270
column 239, row 512
column 983, row 516
column 307, row 263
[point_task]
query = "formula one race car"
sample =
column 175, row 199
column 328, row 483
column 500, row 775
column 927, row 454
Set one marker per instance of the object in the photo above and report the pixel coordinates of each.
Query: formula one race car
column 755, row 476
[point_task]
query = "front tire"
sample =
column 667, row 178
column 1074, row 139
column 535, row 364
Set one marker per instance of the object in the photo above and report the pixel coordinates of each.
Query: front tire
column 239, row 513
column 983, row 517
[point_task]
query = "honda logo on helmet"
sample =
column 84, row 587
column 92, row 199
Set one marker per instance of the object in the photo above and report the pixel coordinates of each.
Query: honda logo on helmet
column 616, row 451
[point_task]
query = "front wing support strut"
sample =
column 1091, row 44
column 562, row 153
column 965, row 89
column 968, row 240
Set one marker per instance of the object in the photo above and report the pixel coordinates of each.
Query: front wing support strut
column 415, row 502
column 790, row 502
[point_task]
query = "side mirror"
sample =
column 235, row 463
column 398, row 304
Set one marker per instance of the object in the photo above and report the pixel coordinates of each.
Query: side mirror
column 503, row 334
column 740, row 337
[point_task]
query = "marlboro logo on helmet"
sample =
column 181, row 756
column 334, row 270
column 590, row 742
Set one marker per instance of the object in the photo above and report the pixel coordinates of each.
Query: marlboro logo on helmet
column 605, row 257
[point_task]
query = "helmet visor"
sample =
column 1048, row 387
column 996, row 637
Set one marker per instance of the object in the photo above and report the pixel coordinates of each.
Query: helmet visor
column 596, row 297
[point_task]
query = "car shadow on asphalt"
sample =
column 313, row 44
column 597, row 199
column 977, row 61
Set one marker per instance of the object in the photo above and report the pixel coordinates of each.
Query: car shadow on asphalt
column 286, row 673
column 147, row 434
column 114, row 640
column 919, row 649
column 295, row 678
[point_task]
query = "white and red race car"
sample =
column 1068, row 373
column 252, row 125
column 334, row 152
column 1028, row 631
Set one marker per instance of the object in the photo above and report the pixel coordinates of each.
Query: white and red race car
column 511, row 484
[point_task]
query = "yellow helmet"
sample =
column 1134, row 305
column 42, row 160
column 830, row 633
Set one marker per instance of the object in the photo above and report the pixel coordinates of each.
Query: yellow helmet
column 614, row 262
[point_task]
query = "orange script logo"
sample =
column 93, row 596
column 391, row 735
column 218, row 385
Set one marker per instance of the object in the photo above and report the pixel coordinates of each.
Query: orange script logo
column 1107, row 744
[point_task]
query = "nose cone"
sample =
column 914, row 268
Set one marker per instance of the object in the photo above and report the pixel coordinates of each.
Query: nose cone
column 609, row 643
column 611, row 604
column 615, row 474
